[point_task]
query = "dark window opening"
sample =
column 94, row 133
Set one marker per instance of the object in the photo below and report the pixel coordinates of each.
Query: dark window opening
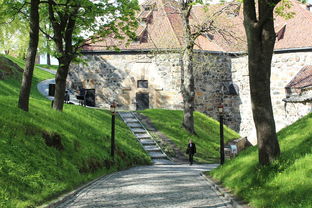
column 144, row 37
column 147, row 7
column 142, row 84
column 233, row 89
column 148, row 19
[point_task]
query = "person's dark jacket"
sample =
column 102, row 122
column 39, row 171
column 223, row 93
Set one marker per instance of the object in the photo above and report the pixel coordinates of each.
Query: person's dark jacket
column 191, row 150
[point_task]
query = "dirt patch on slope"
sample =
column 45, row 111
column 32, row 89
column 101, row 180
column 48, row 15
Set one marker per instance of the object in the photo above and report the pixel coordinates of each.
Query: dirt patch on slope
column 9, row 69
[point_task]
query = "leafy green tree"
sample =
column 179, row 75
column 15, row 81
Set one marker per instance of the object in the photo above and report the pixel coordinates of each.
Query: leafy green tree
column 70, row 18
column 13, row 27
column 16, row 14
column 259, row 27
column 46, row 45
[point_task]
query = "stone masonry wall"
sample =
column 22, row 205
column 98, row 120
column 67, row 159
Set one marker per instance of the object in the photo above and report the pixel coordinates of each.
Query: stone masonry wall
column 284, row 67
column 114, row 78
column 212, row 80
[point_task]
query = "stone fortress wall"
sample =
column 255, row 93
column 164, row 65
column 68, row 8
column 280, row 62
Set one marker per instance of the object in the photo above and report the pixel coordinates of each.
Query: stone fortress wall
column 114, row 78
column 284, row 67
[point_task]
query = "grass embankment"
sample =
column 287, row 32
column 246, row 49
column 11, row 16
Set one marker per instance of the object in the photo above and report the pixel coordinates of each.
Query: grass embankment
column 52, row 67
column 285, row 183
column 207, row 139
column 31, row 171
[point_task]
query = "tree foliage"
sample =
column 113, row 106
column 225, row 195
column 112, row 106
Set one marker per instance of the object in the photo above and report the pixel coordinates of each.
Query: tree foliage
column 73, row 22
column 70, row 25
column 13, row 27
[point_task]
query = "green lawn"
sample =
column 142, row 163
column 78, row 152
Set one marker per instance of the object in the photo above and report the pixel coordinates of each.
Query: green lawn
column 207, row 139
column 53, row 67
column 31, row 172
column 286, row 183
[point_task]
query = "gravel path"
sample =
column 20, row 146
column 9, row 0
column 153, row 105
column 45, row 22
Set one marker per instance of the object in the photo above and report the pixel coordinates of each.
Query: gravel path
column 151, row 186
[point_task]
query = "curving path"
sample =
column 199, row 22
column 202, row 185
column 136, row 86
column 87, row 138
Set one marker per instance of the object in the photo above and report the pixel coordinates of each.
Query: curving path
column 170, row 186
column 157, row 186
column 43, row 87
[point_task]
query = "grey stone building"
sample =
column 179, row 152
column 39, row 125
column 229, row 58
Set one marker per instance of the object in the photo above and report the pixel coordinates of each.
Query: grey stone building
column 146, row 74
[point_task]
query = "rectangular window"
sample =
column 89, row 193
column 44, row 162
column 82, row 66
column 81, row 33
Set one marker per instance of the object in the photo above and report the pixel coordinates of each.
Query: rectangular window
column 142, row 84
column 144, row 37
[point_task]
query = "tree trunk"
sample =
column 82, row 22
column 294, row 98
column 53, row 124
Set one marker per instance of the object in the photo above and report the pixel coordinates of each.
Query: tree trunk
column 261, row 40
column 48, row 53
column 23, row 101
column 48, row 59
column 60, row 83
column 63, row 35
column 187, row 77
column 188, row 93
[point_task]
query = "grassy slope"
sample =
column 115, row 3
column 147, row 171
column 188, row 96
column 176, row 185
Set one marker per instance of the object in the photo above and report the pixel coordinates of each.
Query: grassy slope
column 53, row 67
column 32, row 172
column 207, row 129
column 286, row 183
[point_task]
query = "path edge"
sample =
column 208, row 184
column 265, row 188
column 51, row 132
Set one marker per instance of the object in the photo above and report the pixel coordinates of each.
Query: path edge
column 234, row 201
column 65, row 197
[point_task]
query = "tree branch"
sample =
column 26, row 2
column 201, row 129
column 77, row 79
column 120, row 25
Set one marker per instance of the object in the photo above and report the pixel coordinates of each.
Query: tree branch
column 45, row 33
column 56, row 27
column 18, row 10
column 69, row 31
column 250, row 15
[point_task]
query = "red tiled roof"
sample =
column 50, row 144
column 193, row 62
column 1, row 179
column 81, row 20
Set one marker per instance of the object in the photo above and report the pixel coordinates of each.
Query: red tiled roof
column 298, row 29
column 302, row 79
column 165, row 31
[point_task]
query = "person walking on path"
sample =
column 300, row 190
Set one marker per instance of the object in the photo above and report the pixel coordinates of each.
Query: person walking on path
column 191, row 150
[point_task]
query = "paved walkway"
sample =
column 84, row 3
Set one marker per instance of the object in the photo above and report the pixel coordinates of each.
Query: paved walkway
column 43, row 88
column 169, row 186
column 157, row 186
column 47, row 70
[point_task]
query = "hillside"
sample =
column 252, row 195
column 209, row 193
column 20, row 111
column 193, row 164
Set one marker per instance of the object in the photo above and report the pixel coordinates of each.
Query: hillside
column 207, row 139
column 8, row 68
column 44, row 153
column 285, row 183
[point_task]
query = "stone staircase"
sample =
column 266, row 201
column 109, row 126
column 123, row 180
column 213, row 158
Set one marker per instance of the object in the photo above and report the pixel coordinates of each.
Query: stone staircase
column 146, row 140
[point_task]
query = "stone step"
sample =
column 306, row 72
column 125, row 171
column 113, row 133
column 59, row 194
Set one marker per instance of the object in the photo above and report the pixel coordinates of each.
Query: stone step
column 131, row 120
column 157, row 155
column 142, row 136
column 138, row 130
column 152, row 148
column 134, row 125
column 147, row 142
column 126, row 115
column 162, row 162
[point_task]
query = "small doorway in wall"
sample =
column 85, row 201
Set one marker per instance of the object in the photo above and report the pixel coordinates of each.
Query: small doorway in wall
column 89, row 97
column 142, row 101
